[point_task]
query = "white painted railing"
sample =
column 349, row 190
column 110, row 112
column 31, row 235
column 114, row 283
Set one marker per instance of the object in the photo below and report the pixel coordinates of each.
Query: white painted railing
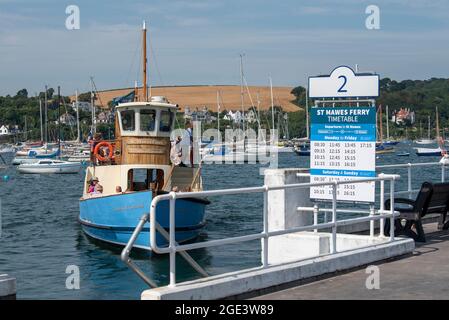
column 173, row 248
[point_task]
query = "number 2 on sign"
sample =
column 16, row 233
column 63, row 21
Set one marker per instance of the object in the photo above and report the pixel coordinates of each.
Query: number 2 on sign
column 343, row 85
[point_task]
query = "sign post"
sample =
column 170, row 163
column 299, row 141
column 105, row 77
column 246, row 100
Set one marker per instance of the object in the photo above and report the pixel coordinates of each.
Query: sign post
column 343, row 134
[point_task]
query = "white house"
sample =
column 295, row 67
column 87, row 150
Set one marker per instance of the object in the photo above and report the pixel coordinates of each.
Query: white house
column 4, row 130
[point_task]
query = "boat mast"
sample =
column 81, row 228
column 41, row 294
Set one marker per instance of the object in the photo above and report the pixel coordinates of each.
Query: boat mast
column 40, row 113
column 59, row 120
column 46, row 115
column 92, row 103
column 241, row 91
column 380, row 122
column 26, row 133
column 77, row 117
column 218, row 111
column 386, row 121
column 307, row 115
column 272, row 104
column 437, row 124
column 144, row 62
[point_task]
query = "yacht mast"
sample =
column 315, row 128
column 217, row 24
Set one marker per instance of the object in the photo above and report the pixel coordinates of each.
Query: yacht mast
column 272, row 104
column 386, row 121
column 77, row 117
column 40, row 113
column 92, row 104
column 46, row 115
column 218, row 111
column 241, row 91
column 307, row 115
column 144, row 62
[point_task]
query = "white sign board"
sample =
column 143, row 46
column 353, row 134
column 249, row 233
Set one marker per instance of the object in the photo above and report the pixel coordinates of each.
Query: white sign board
column 343, row 147
column 344, row 83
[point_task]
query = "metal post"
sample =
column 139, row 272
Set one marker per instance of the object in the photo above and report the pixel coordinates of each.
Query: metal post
column 371, row 223
column 382, row 206
column 265, row 229
column 172, row 244
column 409, row 180
column 442, row 173
column 334, row 218
column 315, row 216
column 392, row 209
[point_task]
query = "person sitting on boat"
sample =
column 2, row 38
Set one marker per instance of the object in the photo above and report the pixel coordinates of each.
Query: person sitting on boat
column 92, row 185
column 98, row 189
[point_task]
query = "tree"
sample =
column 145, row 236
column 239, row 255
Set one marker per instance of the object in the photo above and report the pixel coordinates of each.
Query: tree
column 22, row 93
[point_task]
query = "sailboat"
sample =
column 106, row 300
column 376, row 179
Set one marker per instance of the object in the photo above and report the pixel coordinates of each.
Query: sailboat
column 381, row 147
column 389, row 142
column 136, row 168
column 428, row 140
column 433, row 151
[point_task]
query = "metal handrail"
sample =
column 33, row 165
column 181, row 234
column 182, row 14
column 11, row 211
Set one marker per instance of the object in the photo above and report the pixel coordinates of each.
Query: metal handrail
column 174, row 247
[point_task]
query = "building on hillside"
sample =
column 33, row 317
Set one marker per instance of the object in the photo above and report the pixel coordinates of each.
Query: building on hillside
column 83, row 105
column 67, row 119
column 4, row 130
column 251, row 116
column 198, row 115
column 403, row 116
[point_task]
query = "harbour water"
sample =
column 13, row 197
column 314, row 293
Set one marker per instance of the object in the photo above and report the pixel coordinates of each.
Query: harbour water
column 41, row 236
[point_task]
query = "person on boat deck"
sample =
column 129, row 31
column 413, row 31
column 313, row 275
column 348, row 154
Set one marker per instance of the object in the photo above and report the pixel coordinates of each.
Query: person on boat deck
column 98, row 189
column 176, row 152
column 189, row 129
column 93, row 184
column 93, row 143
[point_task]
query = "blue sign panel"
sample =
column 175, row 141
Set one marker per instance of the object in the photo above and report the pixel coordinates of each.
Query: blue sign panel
column 343, row 147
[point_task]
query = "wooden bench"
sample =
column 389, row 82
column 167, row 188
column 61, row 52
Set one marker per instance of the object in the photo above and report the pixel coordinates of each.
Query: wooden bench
column 433, row 198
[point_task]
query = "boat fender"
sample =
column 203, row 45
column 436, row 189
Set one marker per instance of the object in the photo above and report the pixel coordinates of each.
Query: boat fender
column 110, row 154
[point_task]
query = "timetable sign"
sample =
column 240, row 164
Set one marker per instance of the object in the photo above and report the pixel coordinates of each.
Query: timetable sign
column 343, row 147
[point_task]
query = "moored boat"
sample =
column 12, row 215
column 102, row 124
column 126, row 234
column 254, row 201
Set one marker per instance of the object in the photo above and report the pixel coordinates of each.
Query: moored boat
column 49, row 166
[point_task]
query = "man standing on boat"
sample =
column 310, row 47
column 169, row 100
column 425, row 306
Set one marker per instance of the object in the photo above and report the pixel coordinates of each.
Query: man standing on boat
column 189, row 130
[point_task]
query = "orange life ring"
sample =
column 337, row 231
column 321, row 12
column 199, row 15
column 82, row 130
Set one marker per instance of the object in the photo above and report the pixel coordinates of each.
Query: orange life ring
column 110, row 156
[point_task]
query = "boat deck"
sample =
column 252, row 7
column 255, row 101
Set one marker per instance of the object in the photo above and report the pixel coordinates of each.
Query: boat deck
column 423, row 275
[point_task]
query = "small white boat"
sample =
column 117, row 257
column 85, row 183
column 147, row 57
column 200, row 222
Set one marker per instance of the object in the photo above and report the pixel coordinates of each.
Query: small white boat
column 425, row 141
column 429, row 151
column 50, row 166
column 21, row 160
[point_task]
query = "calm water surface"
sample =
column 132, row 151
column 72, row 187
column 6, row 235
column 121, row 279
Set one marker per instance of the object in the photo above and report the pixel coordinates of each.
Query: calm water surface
column 41, row 235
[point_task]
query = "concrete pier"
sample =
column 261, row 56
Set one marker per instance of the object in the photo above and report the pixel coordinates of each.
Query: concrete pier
column 7, row 287
column 292, row 257
column 422, row 275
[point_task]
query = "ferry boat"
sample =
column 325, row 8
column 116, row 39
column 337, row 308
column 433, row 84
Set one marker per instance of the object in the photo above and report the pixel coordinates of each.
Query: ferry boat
column 135, row 169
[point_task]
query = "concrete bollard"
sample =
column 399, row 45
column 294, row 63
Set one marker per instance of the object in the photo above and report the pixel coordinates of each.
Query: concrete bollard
column 7, row 287
column 282, row 204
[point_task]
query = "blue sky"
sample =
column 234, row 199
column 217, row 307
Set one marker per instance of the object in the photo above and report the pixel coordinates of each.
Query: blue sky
column 199, row 41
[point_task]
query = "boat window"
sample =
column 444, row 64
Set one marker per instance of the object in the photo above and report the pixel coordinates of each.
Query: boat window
column 45, row 162
column 147, row 120
column 166, row 121
column 145, row 179
column 128, row 120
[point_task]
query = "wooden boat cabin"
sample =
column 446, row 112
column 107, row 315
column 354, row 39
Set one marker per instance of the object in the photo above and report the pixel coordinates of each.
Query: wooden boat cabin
column 139, row 157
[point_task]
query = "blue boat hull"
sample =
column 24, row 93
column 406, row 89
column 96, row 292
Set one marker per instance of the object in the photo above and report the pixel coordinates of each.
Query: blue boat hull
column 113, row 218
